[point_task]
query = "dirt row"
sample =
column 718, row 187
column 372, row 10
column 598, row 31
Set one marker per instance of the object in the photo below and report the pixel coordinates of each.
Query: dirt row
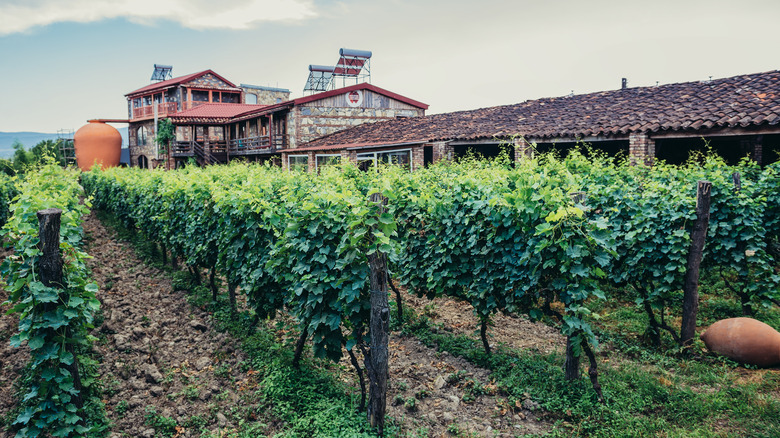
column 164, row 366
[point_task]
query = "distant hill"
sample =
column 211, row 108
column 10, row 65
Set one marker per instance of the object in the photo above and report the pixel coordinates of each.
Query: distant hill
column 30, row 139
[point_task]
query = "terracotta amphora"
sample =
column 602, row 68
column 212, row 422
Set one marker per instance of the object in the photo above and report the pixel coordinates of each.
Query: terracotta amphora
column 744, row 340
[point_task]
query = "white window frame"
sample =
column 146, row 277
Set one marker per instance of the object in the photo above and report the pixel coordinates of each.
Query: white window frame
column 289, row 165
column 374, row 156
column 316, row 161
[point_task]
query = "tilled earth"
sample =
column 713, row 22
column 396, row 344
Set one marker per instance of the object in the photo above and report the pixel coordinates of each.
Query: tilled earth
column 164, row 366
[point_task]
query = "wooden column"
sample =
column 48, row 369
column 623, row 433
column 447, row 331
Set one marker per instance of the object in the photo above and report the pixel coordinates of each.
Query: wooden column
column 271, row 131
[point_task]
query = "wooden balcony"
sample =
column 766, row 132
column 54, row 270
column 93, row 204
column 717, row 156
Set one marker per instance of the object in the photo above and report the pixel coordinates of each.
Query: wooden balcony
column 256, row 145
column 218, row 151
column 163, row 109
column 189, row 148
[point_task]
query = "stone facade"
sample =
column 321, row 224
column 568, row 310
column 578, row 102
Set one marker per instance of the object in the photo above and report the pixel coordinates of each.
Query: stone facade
column 265, row 95
column 326, row 116
column 141, row 143
column 208, row 81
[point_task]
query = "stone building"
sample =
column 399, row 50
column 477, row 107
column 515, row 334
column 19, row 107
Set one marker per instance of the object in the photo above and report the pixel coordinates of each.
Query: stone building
column 736, row 117
column 185, row 93
column 215, row 133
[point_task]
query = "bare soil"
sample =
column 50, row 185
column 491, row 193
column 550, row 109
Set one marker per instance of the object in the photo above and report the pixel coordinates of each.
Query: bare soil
column 162, row 360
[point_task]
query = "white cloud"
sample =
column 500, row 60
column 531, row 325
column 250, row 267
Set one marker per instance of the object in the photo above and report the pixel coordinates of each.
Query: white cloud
column 19, row 16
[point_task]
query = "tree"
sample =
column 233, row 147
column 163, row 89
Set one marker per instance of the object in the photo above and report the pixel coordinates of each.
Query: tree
column 165, row 134
column 21, row 159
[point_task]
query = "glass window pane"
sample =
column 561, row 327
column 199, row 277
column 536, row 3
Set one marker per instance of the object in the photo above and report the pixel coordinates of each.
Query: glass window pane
column 298, row 163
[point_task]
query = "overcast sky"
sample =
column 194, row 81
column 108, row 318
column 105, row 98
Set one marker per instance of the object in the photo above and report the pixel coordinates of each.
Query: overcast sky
column 65, row 61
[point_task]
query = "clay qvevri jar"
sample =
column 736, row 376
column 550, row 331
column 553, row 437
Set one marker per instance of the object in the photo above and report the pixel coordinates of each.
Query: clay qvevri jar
column 745, row 340
column 97, row 142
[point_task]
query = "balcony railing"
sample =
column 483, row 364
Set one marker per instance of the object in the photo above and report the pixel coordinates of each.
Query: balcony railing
column 148, row 111
column 256, row 145
column 187, row 148
column 239, row 146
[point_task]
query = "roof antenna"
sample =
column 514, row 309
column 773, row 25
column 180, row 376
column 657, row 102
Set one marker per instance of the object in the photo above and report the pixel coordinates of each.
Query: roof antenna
column 623, row 83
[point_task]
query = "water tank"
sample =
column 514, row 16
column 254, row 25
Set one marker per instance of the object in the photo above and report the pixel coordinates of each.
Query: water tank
column 97, row 142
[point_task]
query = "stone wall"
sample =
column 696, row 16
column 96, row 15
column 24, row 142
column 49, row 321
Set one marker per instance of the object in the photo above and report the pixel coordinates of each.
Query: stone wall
column 137, row 147
column 326, row 116
column 266, row 96
column 207, row 81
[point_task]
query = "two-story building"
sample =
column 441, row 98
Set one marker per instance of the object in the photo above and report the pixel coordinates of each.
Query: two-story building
column 217, row 121
column 182, row 94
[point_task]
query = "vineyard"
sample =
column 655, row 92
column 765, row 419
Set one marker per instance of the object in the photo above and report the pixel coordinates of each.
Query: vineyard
column 599, row 251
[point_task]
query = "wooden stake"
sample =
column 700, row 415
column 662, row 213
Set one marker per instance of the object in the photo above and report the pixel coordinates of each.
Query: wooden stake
column 376, row 363
column 50, row 265
column 691, row 286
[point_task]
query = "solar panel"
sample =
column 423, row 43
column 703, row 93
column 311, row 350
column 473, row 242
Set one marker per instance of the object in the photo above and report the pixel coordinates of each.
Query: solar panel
column 162, row 72
column 351, row 62
column 320, row 78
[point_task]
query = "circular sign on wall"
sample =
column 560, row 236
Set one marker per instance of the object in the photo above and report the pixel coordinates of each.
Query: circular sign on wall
column 355, row 98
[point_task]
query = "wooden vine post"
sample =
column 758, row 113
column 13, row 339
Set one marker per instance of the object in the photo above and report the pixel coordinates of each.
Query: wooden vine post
column 376, row 363
column 691, row 285
column 571, row 367
column 50, row 265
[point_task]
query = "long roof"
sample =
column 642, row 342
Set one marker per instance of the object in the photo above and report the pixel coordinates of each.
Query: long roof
column 179, row 80
column 739, row 101
column 214, row 112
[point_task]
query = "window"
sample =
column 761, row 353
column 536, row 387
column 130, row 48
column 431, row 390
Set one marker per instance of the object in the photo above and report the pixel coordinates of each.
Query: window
column 298, row 163
column 200, row 96
column 147, row 100
column 278, row 100
column 141, row 136
column 143, row 162
column 401, row 158
column 324, row 160
column 251, row 99
column 230, row 98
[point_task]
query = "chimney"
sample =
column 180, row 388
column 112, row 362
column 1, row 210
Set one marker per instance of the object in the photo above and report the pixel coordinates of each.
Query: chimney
column 623, row 84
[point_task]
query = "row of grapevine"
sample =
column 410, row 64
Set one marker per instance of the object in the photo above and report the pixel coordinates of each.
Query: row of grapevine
column 54, row 318
column 284, row 239
column 541, row 238
column 650, row 213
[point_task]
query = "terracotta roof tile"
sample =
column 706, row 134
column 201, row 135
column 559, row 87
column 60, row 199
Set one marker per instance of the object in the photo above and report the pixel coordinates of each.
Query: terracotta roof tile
column 744, row 100
column 214, row 112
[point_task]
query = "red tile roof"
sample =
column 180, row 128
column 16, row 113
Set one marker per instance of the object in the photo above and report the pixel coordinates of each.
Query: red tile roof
column 350, row 146
column 214, row 112
column 739, row 101
column 178, row 80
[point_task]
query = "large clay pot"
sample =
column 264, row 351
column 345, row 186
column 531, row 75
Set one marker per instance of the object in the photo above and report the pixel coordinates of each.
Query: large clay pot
column 745, row 340
column 97, row 142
